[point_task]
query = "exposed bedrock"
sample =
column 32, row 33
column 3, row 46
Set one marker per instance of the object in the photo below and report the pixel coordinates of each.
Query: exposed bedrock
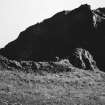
column 60, row 35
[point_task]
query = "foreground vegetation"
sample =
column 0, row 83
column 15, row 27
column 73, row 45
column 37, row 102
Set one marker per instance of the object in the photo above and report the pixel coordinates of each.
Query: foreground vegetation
column 65, row 85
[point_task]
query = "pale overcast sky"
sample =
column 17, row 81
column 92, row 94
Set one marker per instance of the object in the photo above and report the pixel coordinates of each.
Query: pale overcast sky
column 16, row 15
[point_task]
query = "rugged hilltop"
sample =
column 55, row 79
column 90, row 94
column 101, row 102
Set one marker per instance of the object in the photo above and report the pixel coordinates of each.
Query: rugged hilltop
column 55, row 62
column 60, row 36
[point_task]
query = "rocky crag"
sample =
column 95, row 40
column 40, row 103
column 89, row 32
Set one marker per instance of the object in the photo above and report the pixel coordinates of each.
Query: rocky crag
column 61, row 36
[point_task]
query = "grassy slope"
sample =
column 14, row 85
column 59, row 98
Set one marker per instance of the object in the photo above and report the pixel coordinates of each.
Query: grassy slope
column 73, row 87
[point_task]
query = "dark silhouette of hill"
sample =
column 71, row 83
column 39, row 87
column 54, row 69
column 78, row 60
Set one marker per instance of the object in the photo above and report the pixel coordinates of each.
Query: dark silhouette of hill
column 60, row 35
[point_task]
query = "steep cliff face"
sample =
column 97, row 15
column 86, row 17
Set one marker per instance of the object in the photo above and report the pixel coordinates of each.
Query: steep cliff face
column 60, row 35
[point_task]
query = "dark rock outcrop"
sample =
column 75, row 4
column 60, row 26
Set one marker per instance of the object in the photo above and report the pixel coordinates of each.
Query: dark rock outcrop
column 60, row 35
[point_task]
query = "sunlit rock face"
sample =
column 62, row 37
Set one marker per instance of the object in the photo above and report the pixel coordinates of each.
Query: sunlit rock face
column 60, row 35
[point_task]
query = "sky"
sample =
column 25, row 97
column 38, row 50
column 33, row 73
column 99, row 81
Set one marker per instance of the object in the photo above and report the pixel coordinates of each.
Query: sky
column 17, row 15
